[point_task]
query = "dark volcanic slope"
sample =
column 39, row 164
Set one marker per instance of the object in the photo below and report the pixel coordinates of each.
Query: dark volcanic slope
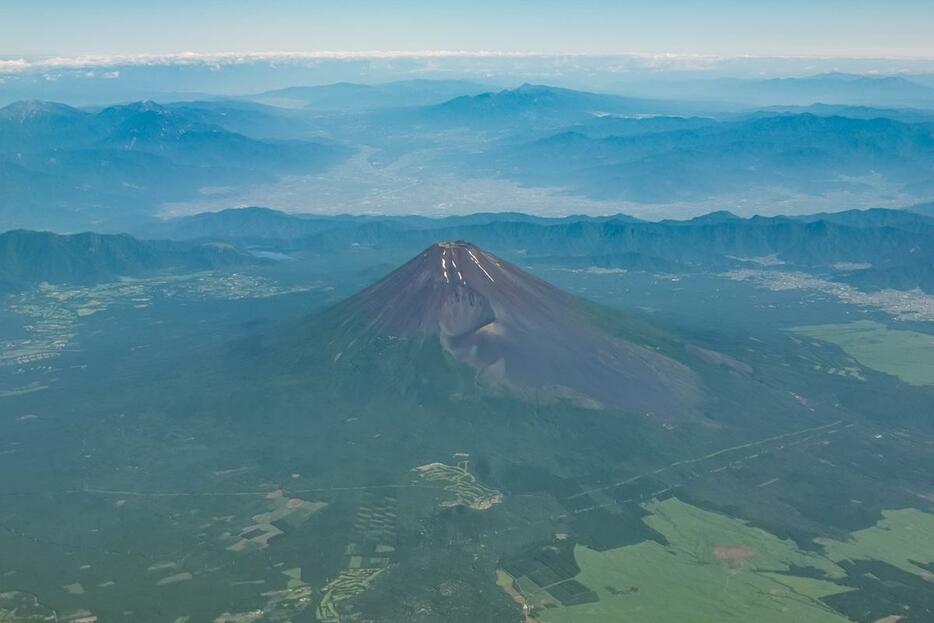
column 518, row 332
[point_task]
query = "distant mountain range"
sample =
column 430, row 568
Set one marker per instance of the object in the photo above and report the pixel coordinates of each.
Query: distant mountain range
column 251, row 119
column 257, row 225
column 905, row 115
column 888, row 248
column 29, row 257
column 66, row 169
column 344, row 96
column 608, row 147
column 541, row 106
column 834, row 89
column 707, row 158
column 60, row 165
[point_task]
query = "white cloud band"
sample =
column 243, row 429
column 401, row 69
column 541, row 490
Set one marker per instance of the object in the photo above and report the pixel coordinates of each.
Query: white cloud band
column 20, row 65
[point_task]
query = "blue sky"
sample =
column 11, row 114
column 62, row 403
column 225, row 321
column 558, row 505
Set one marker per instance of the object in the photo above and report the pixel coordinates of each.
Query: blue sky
column 900, row 28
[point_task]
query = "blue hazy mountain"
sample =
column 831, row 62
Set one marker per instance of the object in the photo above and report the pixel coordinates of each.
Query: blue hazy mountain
column 244, row 117
column 877, row 217
column 343, row 96
column 906, row 115
column 925, row 209
column 800, row 153
column 60, row 165
column 28, row 124
column 534, row 107
column 543, row 103
column 111, row 169
column 31, row 257
column 605, row 126
column 906, row 277
column 258, row 224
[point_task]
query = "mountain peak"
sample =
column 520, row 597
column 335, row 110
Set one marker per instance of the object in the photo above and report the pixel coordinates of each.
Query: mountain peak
column 517, row 331
column 470, row 264
column 29, row 109
column 448, row 289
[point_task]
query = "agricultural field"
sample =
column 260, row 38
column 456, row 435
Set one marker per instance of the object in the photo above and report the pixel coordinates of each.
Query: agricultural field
column 727, row 569
column 903, row 538
column 264, row 526
column 905, row 354
column 367, row 554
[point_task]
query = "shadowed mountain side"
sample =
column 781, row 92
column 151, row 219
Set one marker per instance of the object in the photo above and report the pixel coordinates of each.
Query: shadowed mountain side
column 31, row 257
column 516, row 331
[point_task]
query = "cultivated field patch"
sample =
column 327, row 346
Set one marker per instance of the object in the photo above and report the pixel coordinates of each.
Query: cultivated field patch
column 723, row 569
column 909, row 355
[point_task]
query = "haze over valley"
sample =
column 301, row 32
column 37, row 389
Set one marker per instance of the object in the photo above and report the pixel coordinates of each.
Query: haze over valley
column 455, row 147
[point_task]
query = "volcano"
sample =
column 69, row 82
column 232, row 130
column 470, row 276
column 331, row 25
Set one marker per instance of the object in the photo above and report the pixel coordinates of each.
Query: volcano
column 519, row 333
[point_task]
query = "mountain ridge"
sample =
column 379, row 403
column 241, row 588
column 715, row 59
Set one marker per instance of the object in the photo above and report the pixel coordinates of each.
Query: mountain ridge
column 29, row 257
column 63, row 167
